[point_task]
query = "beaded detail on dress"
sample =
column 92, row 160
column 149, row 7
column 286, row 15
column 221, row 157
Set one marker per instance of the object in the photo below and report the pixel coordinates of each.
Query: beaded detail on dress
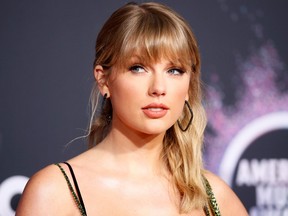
column 75, row 197
column 212, row 200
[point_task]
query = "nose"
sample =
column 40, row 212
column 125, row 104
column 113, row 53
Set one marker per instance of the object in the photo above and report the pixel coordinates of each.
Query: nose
column 157, row 85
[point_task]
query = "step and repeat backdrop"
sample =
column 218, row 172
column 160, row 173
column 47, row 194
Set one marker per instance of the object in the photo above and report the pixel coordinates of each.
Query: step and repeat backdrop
column 46, row 56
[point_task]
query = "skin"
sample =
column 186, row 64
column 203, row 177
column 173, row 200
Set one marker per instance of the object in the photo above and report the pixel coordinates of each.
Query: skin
column 123, row 175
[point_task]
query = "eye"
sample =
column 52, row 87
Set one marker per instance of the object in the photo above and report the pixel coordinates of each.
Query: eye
column 175, row 71
column 137, row 69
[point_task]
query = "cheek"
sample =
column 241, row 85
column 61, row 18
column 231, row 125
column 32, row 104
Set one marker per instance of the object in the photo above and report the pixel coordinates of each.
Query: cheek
column 180, row 94
column 123, row 93
column 181, row 91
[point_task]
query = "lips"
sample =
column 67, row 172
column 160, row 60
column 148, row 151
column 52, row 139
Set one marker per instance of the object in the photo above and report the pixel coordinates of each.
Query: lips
column 155, row 110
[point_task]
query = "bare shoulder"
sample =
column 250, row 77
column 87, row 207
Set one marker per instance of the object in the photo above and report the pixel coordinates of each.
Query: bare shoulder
column 47, row 189
column 228, row 201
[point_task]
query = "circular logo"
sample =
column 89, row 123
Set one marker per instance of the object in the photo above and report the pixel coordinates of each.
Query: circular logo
column 255, row 165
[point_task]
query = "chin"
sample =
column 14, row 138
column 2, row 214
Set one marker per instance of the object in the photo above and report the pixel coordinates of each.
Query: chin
column 155, row 130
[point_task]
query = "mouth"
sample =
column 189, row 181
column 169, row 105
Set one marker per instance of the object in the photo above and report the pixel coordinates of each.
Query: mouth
column 155, row 110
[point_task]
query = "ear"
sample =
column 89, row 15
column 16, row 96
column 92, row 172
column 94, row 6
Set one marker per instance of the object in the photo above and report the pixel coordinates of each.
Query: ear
column 101, row 79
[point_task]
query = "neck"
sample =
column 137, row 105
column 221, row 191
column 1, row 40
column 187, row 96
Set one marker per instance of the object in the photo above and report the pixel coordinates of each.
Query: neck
column 134, row 151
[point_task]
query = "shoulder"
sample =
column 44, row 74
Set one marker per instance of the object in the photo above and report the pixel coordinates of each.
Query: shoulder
column 44, row 188
column 228, row 201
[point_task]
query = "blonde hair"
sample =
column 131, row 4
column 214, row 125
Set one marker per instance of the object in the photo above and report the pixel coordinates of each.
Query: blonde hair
column 155, row 31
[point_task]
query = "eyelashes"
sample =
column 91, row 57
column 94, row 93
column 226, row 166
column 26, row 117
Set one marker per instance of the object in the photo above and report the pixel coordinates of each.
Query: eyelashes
column 138, row 68
column 176, row 71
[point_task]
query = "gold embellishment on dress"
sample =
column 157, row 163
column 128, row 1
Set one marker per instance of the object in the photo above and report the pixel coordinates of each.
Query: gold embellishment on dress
column 80, row 207
column 212, row 200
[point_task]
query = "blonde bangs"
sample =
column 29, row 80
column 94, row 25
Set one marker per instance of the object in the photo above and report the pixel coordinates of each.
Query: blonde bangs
column 152, row 40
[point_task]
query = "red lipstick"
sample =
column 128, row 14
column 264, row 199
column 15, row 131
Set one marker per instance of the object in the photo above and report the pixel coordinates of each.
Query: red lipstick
column 155, row 110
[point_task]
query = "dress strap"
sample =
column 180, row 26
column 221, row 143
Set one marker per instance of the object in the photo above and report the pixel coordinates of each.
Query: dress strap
column 212, row 200
column 78, row 199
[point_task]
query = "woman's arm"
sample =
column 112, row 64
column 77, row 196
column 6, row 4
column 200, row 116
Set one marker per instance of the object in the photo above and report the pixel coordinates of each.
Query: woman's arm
column 46, row 193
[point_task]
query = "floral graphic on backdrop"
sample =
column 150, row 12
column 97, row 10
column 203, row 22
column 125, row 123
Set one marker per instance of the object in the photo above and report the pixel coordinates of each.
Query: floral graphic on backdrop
column 258, row 96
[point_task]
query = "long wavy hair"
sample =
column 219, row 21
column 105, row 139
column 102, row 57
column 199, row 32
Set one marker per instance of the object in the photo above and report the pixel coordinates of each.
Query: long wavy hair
column 156, row 31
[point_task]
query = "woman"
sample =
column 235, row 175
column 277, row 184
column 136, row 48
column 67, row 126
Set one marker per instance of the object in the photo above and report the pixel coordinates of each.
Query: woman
column 145, row 136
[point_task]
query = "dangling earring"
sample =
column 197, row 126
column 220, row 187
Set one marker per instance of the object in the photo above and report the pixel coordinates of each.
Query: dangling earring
column 190, row 120
column 103, row 101
column 106, row 110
